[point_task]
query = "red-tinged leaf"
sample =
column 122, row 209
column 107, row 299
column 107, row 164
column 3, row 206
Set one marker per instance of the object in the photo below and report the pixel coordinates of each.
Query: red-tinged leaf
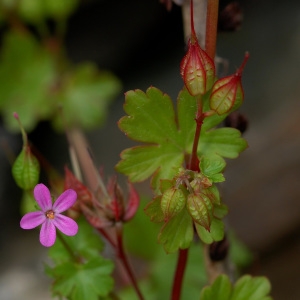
column 132, row 204
column 154, row 211
column 83, row 194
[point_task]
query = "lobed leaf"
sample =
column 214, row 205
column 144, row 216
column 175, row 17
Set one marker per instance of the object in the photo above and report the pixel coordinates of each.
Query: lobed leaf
column 177, row 233
column 246, row 288
column 215, row 234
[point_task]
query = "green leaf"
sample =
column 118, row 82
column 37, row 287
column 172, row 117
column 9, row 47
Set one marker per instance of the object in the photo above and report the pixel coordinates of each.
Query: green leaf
column 85, row 243
column 27, row 75
column 85, row 96
column 142, row 161
column 226, row 142
column 151, row 120
column 220, row 211
column 154, row 114
column 211, row 166
column 246, row 288
column 60, row 9
column 177, row 233
column 215, row 234
column 219, row 290
column 154, row 211
column 251, row 288
column 82, row 281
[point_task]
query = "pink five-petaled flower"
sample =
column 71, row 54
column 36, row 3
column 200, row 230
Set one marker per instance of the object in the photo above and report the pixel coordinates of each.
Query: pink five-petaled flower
column 50, row 215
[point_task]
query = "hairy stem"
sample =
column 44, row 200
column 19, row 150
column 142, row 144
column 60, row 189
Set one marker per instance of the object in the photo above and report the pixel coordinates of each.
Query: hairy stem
column 211, row 27
column 123, row 257
column 178, row 278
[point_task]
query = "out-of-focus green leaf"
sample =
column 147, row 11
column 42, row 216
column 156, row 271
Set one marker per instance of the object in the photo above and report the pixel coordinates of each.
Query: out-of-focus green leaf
column 215, row 234
column 85, row 96
column 27, row 74
column 85, row 243
column 88, row 280
column 59, row 8
column 220, row 290
column 246, row 288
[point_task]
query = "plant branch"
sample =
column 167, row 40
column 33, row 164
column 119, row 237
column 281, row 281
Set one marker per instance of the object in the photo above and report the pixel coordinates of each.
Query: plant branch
column 178, row 278
column 194, row 161
column 123, row 257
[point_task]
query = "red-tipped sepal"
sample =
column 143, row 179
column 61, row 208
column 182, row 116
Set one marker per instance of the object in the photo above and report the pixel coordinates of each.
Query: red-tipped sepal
column 227, row 93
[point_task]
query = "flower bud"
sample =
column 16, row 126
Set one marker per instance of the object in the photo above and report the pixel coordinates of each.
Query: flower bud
column 26, row 168
column 227, row 93
column 197, row 68
column 200, row 209
column 172, row 202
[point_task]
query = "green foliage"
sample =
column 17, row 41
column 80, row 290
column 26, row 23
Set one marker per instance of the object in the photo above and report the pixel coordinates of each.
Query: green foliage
column 246, row 288
column 211, row 166
column 34, row 12
column 168, row 138
column 84, row 97
column 177, row 232
column 86, row 275
column 32, row 85
column 27, row 73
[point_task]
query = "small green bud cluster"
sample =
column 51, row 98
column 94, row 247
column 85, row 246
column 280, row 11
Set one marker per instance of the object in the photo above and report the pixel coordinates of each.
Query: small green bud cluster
column 192, row 191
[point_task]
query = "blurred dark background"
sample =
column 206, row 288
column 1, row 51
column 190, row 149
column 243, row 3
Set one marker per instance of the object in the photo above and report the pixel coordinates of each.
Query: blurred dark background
column 143, row 44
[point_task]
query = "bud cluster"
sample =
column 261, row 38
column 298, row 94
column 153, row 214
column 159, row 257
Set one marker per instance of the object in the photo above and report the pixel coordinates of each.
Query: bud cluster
column 192, row 191
column 103, row 208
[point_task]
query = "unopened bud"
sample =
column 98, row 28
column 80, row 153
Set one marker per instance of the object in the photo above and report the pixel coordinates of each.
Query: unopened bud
column 200, row 209
column 197, row 68
column 227, row 93
column 172, row 202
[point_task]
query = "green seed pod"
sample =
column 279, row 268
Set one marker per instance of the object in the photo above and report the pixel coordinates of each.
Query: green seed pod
column 200, row 209
column 172, row 202
column 26, row 169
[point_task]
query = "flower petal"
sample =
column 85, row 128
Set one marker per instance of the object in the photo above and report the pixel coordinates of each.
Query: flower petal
column 65, row 224
column 48, row 233
column 32, row 220
column 42, row 196
column 65, row 201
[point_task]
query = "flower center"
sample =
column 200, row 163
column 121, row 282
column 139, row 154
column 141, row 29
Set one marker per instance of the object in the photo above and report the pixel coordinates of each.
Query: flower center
column 50, row 214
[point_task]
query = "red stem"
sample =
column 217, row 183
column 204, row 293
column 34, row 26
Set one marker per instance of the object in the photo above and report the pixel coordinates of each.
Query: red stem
column 211, row 27
column 107, row 237
column 178, row 278
column 194, row 161
column 123, row 257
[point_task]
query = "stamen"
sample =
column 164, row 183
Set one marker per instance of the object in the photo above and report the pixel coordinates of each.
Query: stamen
column 50, row 214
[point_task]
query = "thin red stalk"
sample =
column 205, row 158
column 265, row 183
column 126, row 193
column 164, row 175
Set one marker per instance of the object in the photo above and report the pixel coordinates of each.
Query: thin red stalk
column 194, row 161
column 211, row 27
column 107, row 237
column 178, row 278
column 123, row 257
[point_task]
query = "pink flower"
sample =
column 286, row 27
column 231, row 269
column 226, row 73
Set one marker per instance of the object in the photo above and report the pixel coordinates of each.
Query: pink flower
column 50, row 215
